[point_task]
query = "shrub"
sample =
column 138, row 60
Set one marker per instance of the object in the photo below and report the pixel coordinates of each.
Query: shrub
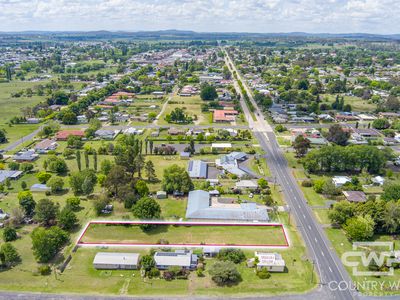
column 224, row 273
column 74, row 203
column 234, row 255
column 44, row 270
column 9, row 234
column 154, row 272
column 263, row 274
column 306, row 183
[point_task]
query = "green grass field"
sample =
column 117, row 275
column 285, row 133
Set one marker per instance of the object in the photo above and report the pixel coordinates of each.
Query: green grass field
column 357, row 103
column 228, row 235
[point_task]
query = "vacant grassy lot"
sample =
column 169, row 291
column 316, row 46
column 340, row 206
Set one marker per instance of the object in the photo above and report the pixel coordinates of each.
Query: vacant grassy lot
column 228, row 235
column 357, row 103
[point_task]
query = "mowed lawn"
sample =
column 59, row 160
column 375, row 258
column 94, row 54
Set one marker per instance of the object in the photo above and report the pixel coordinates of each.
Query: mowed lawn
column 225, row 235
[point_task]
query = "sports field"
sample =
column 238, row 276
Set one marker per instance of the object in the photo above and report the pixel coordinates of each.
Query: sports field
column 186, row 234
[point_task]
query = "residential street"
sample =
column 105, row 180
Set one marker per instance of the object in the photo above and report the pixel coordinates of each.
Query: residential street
column 327, row 263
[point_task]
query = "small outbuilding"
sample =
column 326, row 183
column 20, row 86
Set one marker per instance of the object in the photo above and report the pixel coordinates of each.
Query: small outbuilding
column 161, row 195
column 38, row 187
column 116, row 261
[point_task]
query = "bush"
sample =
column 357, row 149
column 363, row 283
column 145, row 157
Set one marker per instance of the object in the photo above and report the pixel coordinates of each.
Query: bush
column 306, row 183
column 263, row 274
column 154, row 272
column 234, row 255
column 44, row 270
column 224, row 273
column 9, row 234
column 200, row 273
column 73, row 203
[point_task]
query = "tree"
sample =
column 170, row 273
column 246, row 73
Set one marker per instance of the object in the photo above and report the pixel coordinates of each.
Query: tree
column 391, row 191
column 78, row 160
column 3, row 137
column 176, row 179
column 56, row 184
column 9, row 234
column 147, row 262
column 106, row 166
column 381, row 123
column 224, row 273
column 360, row 228
column 301, row 145
column 43, row 177
column 262, row 183
column 341, row 212
column 147, row 209
column 141, row 188
column 150, row 171
column 9, row 255
column 115, row 179
column 26, row 167
column 56, row 165
column 73, row 203
column 337, row 135
column 83, row 182
column 100, row 203
column 69, row 118
column 86, row 153
column 47, row 242
column 46, row 212
column 208, row 92
column 234, row 255
column 23, row 185
column 67, row 219
column 95, row 160
column 392, row 217
column 27, row 203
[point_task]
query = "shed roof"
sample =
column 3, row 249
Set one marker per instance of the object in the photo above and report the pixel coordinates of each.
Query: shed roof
column 107, row 258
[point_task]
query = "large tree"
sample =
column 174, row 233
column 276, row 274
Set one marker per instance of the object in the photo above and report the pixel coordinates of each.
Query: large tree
column 147, row 209
column 115, row 179
column 338, row 135
column 360, row 228
column 208, row 92
column 176, row 179
column 301, row 145
column 27, row 203
column 224, row 273
column 150, row 171
column 47, row 242
column 46, row 212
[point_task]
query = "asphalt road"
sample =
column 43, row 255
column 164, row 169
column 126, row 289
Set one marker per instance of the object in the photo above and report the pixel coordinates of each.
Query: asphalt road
column 28, row 137
column 327, row 263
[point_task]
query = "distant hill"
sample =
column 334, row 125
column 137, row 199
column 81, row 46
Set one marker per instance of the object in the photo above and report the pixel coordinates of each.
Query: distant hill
column 185, row 35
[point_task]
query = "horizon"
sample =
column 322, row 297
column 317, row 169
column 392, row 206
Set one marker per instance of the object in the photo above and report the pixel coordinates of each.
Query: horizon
column 251, row 16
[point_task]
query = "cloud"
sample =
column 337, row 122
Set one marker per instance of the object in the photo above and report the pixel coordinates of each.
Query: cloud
column 375, row 16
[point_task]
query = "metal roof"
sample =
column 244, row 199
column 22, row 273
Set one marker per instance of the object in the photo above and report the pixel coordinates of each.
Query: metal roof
column 113, row 258
column 199, row 207
column 177, row 258
column 197, row 169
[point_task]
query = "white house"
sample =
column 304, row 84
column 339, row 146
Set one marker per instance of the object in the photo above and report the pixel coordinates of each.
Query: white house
column 273, row 262
column 378, row 180
column 339, row 181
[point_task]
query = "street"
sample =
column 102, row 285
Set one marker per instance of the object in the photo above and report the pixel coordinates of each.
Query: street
column 327, row 263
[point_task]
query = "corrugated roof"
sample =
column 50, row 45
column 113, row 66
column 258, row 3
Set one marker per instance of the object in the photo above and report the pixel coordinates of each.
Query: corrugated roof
column 116, row 258
column 178, row 258
column 197, row 169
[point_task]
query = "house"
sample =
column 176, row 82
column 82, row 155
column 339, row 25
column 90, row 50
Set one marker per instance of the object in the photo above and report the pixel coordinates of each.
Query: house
column 378, row 180
column 176, row 131
column 46, row 146
column 38, row 187
column 64, row 134
column 201, row 206
column 345, row 118
column 116, row 261
column 367, row 132
column 13, row 175
column 222, row 115
column 273, row 262
column 155, row 133
column 197, row 169
column 82, row 119
column 355, row 196
column 230, row 163
column 179, row 258
column 106, row 134
column 161, row 195
column 184, row 155
column 339, row 181
column 28, row 155
column 246, row 184
column 133, row 131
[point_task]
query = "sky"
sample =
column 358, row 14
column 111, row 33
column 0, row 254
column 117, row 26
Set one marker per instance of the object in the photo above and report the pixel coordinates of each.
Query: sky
column 264, row 16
